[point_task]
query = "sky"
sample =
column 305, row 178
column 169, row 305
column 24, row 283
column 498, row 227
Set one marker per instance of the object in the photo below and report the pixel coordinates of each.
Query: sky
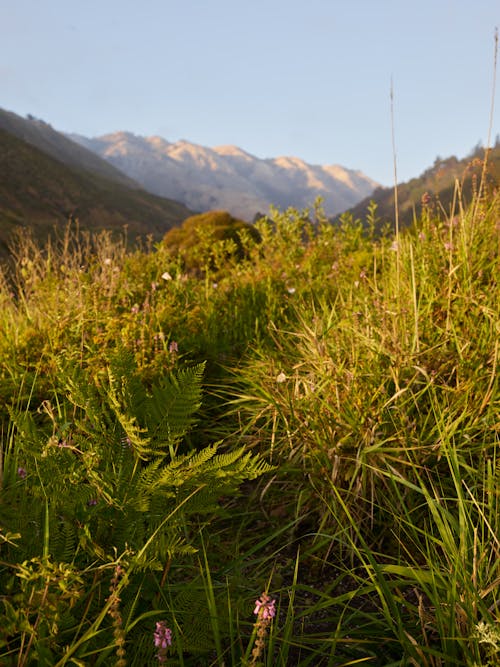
column 304, row 78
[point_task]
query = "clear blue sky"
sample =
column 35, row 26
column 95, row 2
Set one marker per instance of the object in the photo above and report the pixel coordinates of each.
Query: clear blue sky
column 309, row 78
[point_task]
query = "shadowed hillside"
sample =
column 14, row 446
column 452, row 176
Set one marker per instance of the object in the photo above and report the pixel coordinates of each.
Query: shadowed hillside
column 39, row 191
column 41, row 135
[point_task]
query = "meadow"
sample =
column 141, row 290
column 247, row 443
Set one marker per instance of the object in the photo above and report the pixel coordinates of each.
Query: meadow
column 277, row 449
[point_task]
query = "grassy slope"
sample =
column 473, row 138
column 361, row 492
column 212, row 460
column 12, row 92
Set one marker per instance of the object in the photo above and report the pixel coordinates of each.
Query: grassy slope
column 365, row 371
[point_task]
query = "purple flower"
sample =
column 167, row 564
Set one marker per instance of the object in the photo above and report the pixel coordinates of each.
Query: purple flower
column 92, row 502
column 22, row 473
column 265, row 607
column 162, row 639
column 173, row 347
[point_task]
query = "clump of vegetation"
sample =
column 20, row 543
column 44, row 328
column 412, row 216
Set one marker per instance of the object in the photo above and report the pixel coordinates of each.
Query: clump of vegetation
column 305, row 409
column 210, row 240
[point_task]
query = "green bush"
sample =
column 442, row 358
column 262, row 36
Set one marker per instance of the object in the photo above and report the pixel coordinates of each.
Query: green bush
column 211, row 240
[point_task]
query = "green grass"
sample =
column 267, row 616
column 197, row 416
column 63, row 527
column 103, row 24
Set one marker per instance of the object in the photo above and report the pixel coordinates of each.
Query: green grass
column 341, row 452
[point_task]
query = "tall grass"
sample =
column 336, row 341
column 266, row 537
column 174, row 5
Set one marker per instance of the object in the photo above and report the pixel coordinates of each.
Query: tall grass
column 364, row 369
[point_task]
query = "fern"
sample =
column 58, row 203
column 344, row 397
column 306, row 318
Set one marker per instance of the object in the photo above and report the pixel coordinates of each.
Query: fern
column 116, row 481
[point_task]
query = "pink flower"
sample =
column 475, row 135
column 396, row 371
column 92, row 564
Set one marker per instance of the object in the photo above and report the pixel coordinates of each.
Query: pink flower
column 265, row 607
column 162, row 639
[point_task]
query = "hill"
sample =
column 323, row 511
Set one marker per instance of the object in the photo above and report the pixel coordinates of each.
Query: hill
column 436, row 185
column 39, row 191
column 41, row 134
column 227, row 177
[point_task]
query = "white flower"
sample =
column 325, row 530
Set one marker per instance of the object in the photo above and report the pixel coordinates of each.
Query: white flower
column 281, row 378
column 290, row 290
column 166, row 276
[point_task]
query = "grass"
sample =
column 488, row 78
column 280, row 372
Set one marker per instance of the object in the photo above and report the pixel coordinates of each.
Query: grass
column 351, row 389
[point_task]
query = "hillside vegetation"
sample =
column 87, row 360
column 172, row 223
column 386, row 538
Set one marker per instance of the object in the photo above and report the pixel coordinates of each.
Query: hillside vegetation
column 435, row 188
column 39, row 192
column 285, row 455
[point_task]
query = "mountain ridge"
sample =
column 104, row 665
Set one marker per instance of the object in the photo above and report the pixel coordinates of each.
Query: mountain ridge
column 228, row 177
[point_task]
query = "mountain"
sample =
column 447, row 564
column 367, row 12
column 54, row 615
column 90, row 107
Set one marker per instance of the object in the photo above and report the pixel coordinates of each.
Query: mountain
column 227, row 177
column 39, row 191
column 437, row 184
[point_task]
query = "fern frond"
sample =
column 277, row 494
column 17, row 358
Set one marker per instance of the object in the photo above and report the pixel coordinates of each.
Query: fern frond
column 169, row 412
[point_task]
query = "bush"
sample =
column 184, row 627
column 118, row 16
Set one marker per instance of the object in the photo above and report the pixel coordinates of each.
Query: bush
column 210, row 240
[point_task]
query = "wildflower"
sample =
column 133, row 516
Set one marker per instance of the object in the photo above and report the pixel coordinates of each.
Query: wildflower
column 449, row 246
column 265, row 610
column 291, row 290
column 135, row 309
column 281, row 378
column 394, row 246
column 265, row 607
column 154, row 287
column 21, row 472
column 166, row 276
column 426, row 199
column 92, row 502
column 107, row 261
column 173, row 347
column 162, row 639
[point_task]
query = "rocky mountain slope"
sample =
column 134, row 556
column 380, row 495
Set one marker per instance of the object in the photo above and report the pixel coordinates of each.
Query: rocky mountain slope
column 227, row 177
